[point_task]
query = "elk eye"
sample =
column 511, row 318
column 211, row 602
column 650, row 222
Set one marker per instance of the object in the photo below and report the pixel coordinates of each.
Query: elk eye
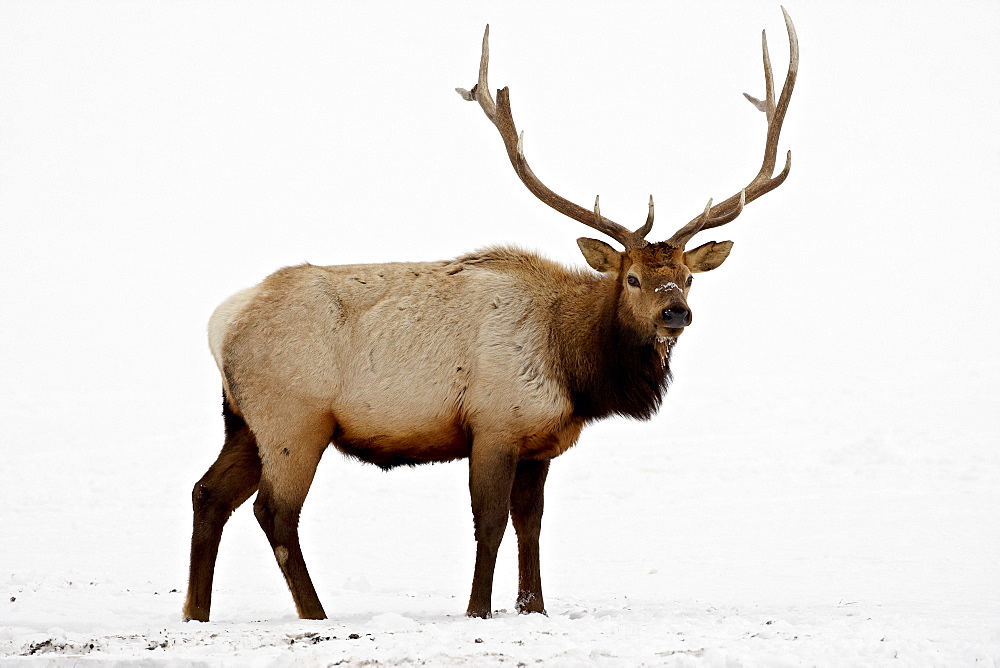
column 633, row 281
column 689, row 281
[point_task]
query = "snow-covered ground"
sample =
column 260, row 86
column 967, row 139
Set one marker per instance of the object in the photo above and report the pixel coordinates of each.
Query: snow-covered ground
column 822, row 486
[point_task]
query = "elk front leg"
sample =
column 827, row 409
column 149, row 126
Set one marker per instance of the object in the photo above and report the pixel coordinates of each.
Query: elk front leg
column 526, row 505
column 491, row 474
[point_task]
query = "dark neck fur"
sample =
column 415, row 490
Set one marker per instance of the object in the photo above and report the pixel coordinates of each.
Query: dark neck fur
column 610, row 368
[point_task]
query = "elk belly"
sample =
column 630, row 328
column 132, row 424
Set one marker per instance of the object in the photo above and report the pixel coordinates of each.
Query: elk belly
column 436, row 443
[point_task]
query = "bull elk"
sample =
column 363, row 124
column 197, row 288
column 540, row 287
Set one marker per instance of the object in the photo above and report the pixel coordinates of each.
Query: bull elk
column 506, row 356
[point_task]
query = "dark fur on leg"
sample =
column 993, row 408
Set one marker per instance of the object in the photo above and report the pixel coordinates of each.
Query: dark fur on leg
column 526, row 506
column 229, row 482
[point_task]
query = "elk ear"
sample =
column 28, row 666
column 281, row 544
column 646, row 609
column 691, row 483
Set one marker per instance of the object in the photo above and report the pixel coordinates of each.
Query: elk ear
column 707, row 256
column 599, row 255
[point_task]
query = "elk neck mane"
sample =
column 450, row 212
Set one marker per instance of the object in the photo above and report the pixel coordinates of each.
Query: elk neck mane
column 608, row 367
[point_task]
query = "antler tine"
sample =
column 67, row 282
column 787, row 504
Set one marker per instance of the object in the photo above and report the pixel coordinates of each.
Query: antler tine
column 481, row 91
column 683, row 235
column 764, row 182
column 648, row 225
column 500, row 115
column 767, row 105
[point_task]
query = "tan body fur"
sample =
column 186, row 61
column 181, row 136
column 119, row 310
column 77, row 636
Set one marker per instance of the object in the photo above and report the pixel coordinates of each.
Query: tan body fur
column 403, row 363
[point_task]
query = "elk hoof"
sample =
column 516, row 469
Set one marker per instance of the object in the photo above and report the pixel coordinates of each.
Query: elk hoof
column 528, row 602
column 526, row 610
column 480, row 614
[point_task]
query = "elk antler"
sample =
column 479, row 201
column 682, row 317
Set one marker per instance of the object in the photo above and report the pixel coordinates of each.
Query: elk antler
column 764, row 182
column 500, row 115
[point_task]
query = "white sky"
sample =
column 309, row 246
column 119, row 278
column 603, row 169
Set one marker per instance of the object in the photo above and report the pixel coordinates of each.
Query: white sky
column 156, row 156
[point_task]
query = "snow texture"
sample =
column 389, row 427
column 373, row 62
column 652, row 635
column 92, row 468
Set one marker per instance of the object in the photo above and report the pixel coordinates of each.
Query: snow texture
column 822, row 484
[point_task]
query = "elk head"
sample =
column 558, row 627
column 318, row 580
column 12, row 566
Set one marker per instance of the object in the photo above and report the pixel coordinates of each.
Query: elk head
column 654, row 278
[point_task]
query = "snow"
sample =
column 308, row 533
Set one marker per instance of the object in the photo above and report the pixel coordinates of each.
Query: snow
column 822, row 483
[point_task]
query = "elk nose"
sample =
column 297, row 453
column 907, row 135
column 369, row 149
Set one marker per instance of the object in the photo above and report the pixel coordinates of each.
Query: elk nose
column 676, row 316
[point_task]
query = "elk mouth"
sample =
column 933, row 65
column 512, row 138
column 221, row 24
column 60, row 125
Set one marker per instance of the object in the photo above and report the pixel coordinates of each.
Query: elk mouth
column 668, row 333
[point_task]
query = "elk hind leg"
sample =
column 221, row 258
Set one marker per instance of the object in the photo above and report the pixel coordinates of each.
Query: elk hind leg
column 288, row 470
column 526, row 505
column 230, row 481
